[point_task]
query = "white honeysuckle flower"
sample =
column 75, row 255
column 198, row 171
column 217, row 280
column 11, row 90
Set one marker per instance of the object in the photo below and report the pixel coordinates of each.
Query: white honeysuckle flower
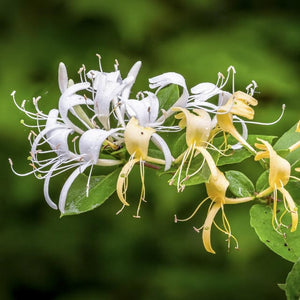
column 146, row 112
column 69, row 100
column 165, row 79
column 56, row 136
column 90, row 144
column 110, row 88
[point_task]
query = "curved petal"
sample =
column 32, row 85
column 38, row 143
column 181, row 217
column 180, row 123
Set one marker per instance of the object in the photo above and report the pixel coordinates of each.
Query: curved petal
column 69, row 99
column 162, row 145
column 67, row 185
column 46, row 185
column 133, row 72
column 165, row 79
column 205, row 90
column 206, row 232
column 123, row 178
column 244, row 133
column 292, row 207
column 91, row 141
column 62, row 77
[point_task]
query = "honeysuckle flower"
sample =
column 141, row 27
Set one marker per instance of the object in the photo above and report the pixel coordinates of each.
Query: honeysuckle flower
column 54, row 134
column 109, row 88
column 198, row 128
column 165, row 79
column 216, row 189
column 279, row 176
column 146, row 112
column 90, row 144
column 237, row 105
column 204, row 91
column 69, row 100
column 137, row 140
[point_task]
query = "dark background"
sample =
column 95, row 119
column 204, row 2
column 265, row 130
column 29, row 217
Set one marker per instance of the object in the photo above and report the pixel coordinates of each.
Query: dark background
column 99, row 255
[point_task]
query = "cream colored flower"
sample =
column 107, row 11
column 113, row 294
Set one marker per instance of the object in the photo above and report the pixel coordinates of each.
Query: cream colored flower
column 137, row 140
column 198, row 127
column 216, row 189
column 238, row 105
column 279, row 176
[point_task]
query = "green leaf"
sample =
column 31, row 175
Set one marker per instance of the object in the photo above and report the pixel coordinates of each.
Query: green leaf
column 239, row 184
column 287, row 244
column 168, row 96
column 288, row 139
column 101, row 188
column 292, row 286
column 237, row 156
column 180, row 145
column 262, row 182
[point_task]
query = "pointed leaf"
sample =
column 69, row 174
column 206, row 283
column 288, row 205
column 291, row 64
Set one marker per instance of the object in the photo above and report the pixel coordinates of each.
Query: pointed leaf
column 292, row 286
column 101, row 188
column 288, row 139
column 287, row 244
column 168, row 96
column 263, row 181
column 239, row 184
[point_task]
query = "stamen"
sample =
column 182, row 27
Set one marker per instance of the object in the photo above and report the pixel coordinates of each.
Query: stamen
column 99, row 60
column 193, row 213
column 267, row 124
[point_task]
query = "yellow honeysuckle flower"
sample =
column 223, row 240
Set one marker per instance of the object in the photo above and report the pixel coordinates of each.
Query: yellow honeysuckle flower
column 216, row 189
column 198, row 127
column 280, row 173
column 238, row 104
column 137, row 140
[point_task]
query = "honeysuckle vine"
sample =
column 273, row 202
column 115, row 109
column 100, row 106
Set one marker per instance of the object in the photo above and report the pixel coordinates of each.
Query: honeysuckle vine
column 186, row 135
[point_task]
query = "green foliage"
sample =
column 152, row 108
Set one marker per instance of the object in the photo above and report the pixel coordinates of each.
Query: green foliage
column 288, row 139
column 286, row 244
column 263, row 181
column 292, row 286
column 168, row 96
column 239, row 184
column 237, row 156
column 100, row 189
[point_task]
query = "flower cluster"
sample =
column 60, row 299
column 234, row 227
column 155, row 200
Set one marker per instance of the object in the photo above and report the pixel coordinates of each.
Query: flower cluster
column 99, row 116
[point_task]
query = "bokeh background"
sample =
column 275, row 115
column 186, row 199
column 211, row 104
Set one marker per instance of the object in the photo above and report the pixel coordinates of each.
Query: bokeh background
column 99, row 255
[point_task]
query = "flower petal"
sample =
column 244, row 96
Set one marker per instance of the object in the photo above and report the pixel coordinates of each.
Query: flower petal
column 91, row 141
column 165, row 79
column 206, row 232
column 67, row 185
column 62, row 77
column 162, row 145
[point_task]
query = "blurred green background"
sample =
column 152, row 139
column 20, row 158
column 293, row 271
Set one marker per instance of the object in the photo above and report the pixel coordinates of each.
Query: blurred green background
column 99, row 255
